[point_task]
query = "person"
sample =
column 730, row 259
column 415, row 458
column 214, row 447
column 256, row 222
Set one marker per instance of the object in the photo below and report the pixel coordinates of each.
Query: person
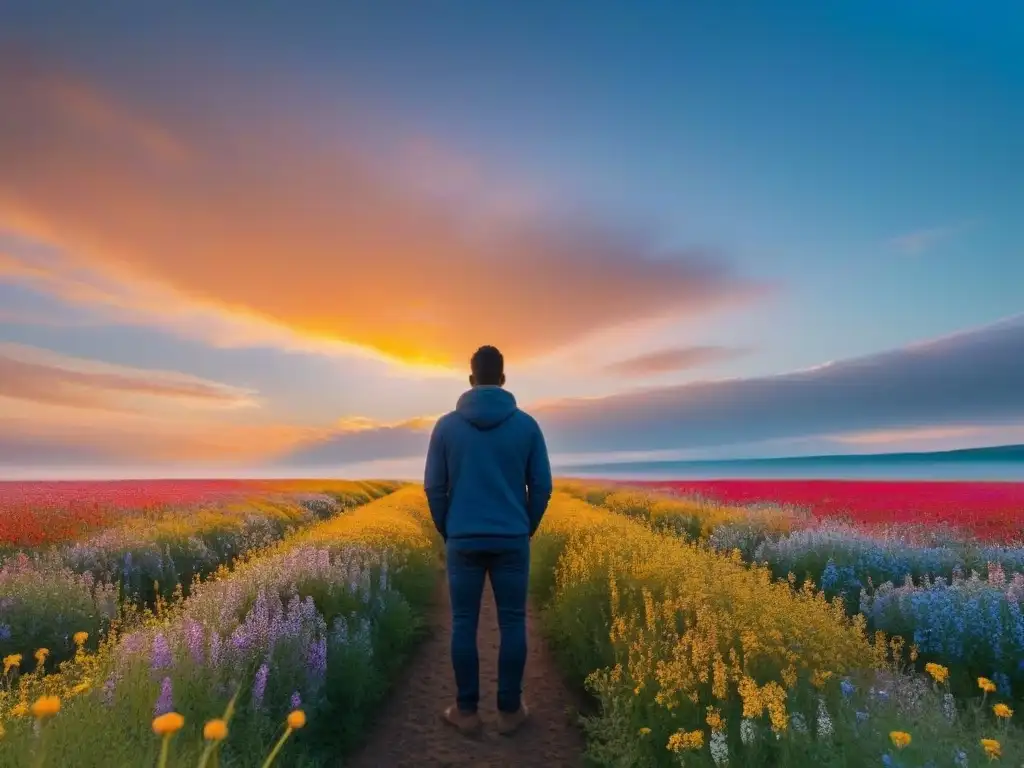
column 488, row 483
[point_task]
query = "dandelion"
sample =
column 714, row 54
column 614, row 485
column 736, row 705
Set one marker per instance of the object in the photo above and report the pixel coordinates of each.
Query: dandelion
column 986, row 685
column 166, row 726
column 215, row 730
column 80, row 638
column 993, row 749
column 939, row 673
column 1002, row 711
column 45, row 706
column 13, row 661
column 294, row 722
column 899, row 739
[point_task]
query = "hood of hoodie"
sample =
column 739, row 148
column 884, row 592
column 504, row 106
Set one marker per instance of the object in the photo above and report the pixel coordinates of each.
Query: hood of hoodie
column 486, row 407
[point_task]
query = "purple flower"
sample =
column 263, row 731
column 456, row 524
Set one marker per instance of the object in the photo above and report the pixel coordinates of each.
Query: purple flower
column 161, row 653
column 259, row 686
column 194, row 638
column 296, row 701
column 316, row 660
column 215, row 649
column 165, row 703
column 109, row 687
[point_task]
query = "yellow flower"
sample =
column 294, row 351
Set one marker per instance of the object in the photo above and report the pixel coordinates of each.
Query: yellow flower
column 82, row 687
column 938, row 672
column 296, row 719
column 993, row 749
column 986, row 685
column 41, row 655
column 680, row 741
column 714, row 719
column 165, row 725
column 1003, row 711
column 12, row 662
column 215, row 730
column 46, row 706
column 899, row 739
column 645, row 731
column 20, row 709
column 819, row 678
column 80, row 638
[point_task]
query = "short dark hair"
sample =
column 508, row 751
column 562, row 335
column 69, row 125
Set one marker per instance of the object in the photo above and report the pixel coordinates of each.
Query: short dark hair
column 488, row 366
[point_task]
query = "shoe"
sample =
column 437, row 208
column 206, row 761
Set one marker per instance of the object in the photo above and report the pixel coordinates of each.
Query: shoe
column 510, row 722
column 466, row 722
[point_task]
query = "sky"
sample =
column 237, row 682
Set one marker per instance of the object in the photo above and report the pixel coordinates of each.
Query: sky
column 240, row 239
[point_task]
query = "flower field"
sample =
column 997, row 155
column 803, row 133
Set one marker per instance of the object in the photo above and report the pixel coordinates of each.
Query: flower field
column 706, row 633
column 988, row 510
column 299, row 640
column 177, row 533
column 741, row 633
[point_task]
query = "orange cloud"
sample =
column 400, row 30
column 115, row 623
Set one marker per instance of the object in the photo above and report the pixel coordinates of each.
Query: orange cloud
column 40, row 376
column 259, row 222
column 669, row 360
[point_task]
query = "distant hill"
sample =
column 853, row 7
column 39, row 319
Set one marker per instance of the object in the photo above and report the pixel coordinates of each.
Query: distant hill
column 885, row 462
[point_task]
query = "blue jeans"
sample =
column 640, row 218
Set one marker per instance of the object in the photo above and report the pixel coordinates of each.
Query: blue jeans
column 507, row 562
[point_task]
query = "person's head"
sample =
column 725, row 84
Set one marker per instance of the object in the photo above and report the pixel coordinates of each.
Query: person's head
column 488, row 368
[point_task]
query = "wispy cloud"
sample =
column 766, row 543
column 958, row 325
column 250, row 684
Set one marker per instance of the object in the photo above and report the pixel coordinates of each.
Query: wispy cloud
column 902, row 391
column 912, row 395
column 270, row 228
column 676, row 359
column 920, row 241
column 41, row 376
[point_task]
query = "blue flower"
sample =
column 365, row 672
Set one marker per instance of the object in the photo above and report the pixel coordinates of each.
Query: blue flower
column 846, row 687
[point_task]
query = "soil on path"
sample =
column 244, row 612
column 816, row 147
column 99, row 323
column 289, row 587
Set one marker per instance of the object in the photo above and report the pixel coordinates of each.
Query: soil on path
column 409, row 730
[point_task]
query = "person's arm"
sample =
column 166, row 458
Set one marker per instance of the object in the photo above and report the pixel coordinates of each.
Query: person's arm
column 435, row 481
column 538, row 481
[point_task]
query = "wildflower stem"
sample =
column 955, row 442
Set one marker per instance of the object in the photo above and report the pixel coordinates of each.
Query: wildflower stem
column 277, row 747
column 204, row 758
column 164, row 749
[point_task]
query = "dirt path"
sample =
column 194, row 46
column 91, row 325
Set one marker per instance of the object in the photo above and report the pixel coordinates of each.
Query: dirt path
column 409, row 730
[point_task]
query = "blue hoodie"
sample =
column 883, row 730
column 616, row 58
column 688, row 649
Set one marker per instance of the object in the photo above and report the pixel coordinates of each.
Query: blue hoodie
column 487, row 471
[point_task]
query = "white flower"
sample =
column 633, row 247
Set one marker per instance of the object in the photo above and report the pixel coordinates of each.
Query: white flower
column 748, row 731
column 719, row 748
column 798, row 722
column 825, row 729
column 949, row 707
